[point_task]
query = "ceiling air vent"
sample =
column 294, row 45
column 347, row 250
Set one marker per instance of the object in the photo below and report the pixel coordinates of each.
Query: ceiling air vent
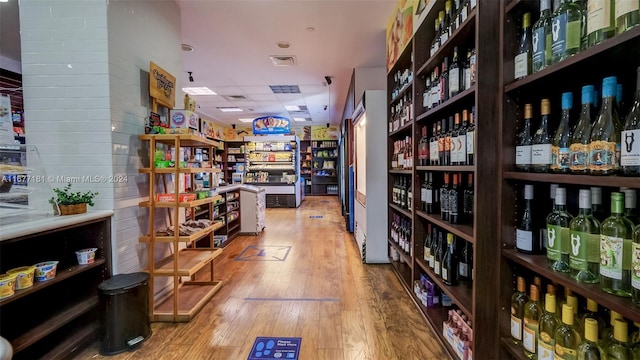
column 235, row 97
column 283, row 60
column 285, row 89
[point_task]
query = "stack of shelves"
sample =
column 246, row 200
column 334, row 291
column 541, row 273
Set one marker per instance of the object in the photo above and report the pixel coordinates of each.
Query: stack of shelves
column 306, row 164
column 324, row 157
column 234, row 159
column 185, row 298
column 617, row 56
column 410, row 167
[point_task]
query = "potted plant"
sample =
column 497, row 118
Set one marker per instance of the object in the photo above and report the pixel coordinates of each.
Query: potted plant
column 68, row 202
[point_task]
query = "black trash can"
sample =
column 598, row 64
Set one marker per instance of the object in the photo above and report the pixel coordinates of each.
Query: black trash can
column 124, row 312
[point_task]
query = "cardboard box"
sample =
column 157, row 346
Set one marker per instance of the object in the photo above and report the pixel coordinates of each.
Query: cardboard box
column 184, row 119
column 171, row 197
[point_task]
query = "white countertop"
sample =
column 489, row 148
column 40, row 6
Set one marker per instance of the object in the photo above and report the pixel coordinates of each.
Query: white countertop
column 227, row 188
column 31, row 222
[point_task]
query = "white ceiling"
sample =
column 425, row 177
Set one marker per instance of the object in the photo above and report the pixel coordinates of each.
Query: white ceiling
column 233, row 40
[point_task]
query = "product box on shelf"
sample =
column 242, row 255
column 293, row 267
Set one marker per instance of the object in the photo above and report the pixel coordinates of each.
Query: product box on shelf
column 452, row 333
column 183, row 119
column 171, row 197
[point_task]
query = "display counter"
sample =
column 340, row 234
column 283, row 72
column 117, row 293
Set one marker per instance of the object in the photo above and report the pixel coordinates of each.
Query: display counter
column 33, row 222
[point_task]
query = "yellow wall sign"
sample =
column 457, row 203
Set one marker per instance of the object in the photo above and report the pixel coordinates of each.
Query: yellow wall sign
column 162, row 85
column 399, row 31
column 324, row 133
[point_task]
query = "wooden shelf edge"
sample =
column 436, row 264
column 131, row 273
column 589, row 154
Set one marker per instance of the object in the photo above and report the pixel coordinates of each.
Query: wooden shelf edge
column 193, row 237
column 402, row 92
column 466, row 305
column 402, row 211
column 74, row 342
column 191, row 140
column 538, row 264
column 463, row 231
column 181, row 170
column 407, row 258
column 164, row 267
column 452, row 168
column 468, row 92
column 173, row 204
column 513, row 349
column 605, row 181
column 53, row 323
column 187, row 314
column 401, row 129
column 401, row 172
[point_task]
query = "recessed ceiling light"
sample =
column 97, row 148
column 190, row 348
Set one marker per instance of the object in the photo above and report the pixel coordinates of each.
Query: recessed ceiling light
column 292, row 107
column 283, row 45
column 301, row 119
column 229, row 109
column 185, row 47
column 245, row 120
column 198, row 91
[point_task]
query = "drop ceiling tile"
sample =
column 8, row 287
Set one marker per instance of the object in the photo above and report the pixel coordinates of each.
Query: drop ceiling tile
column 312, row 89
column 262, row 97
column 298, row 99
column 227, row 90
column 256, row 90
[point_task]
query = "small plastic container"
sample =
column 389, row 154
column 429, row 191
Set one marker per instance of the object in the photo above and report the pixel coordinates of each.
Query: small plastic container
column 25, row 275
column 7, row 285
column 46, row 270
column 86, row 256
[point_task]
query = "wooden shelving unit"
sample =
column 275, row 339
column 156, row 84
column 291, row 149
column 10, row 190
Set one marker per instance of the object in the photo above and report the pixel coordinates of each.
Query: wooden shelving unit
column 476, row 299
column 187, row 257
column 618, row 57
column 306, row 164
column 233, row 150
column 323, row 151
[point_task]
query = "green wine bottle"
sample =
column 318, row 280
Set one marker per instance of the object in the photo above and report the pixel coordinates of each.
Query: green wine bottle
column 566, row 336
column 532, row 312
column 518, row 300
column 558, row 240
column 592, row 313
column 579, row 149
column 615, row 250
column 522, row 61
column 541, row 148
column 547, row 326
column 560, row 153
column 604, row 145
column 630, row 151
column 627, row 14
column 635, row 266
column 565, row 31
column 589, row 349
column 541, row 39
column 600, row 21
column 607, row 334
column 584, row 230
column 618, row 349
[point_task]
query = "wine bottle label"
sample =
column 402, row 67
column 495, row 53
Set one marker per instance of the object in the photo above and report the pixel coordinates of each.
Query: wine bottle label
column 630, row 149
column 516, row 327
column 585, row 249
column 563, row 158
column 463, row 14
column 524, row 240
column 445, row 274
column 523, row 155
column 611, row 251
column 462, row 149
column 564, row 353
column 573, row 35
column 454, row 81
column 579, row 157
column 546, row 350
column 454, row 149
column 429, row 196
column 602, row 155
column 555, row 154
column 447, row 144
column 432, row 261
column 598, row 15
column 472, row 66
column 541, row 154
column 530, row 335
column 436, row 267
column 472, row 4
column 558, row 35
column 463, row 269
column 467, row 78
column 470, row 142
column 538, row 44
column 556, row 243
column 521, row 66
column 635, row 265
column 625, row 6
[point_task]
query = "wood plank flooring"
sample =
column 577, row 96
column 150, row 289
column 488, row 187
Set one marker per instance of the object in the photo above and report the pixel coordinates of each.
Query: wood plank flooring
column 341, row 308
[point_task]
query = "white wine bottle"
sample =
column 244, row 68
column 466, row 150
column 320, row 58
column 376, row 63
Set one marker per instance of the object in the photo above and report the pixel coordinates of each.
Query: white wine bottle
column 635, row 267
column 566, row 336
column 600, row 21
column 524, row 142
column 518, row 300
column 532, row 312
column 541, row 148
column 565, row 31
column 541, row 39
column 558, row 240
column 615, row 255
column 604, row 145
column 522, row 61
column 548, row 324
column 584, row 258
column 627, row 14
column 527, row 238
column 589, row 348
column 560, row 153
column 607, row 334
column 630, row 149
column 592, row 313
column 619, row 348
column 579, row 148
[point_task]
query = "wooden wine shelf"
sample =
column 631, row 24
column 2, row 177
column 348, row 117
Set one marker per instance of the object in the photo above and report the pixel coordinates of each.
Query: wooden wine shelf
column 403, row 271
column 192, row 297
column 185, row 140
column 181, row 170
column 445, row 105
column 516, row 351
column 452, row 168
column 404, row 89
column 406, row 257
column 538, row 264
column 189, row 262
column 188, row 204
column 590, row 180
column 401, row 172
column 402, row 211
column 435, row 317
column 193, row 237
column 402, row 129
column 462, row 231
column 461, row 294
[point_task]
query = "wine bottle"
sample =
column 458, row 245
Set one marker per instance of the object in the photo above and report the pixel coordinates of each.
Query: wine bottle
column 630, row 149
column 426, row 254
column 541, row 148
column 619, row 348
column 543, row 229
column 462, row 142
column 523, row 60
column 592, row 313
column 604, row 142
column 435, row 43
column 627, row 14
column 566, row 336
column 518, row 300
column 541, row 41
column 423, row 148
column 560, row 153
column 450, row 263
column 444, row 31
column 600, row 21
column 465, row 263
column 584, row 259
column 437, row 260
column 447, row 142
column 558, row 240
column 572, row 300
column 589, row 348
column 524, row 141
column 433, row 146
column 434, row 247
column 441, row 137
column 532, row 312
column 444, row 198
column 635, row 266
column 444, row 81
column 607, row 334
column 565, row 31
column 615, row 262
column 466, row 74
column 548, row 324
column 455, row 74
column 527, row 238
column 579, row 149
column 596, row 204
column 469, row 200
column 455, row 201
column 471, row 136
column 455, row 150
column 630, row 204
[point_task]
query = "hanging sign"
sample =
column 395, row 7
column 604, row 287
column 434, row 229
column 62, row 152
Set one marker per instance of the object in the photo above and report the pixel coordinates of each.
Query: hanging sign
column 268, row 125
column 162, row 85
column 399, row 31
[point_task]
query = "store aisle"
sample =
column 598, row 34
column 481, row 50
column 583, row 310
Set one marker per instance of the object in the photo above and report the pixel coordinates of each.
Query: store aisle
column 301, row 277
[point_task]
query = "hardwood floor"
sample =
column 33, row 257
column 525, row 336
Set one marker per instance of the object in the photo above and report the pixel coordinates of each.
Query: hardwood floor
column 321, row 292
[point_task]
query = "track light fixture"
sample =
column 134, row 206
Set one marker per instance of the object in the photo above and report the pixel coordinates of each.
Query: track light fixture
column 190, row 76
